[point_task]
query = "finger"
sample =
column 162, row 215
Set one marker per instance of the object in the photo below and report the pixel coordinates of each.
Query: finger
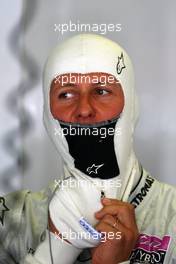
column 104, row 227
column 122, row 233
column 109, row 201
column 112, row 221
column 124, row 213
column 108, row 232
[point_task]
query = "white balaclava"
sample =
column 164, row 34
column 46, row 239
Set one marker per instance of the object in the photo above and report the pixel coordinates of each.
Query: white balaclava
column 86, row 53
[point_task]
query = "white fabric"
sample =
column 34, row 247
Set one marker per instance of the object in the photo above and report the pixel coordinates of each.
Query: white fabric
column 83, row 54
column 59, row 248
column 68, row 207
column 86, row 53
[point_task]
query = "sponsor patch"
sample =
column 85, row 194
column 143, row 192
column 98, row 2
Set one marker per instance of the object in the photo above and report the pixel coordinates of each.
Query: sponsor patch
column 143, row 191
column 150, row 249
column 87, row 227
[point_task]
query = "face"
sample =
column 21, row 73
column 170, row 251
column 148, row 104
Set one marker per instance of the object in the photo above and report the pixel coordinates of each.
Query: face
column 86, row 98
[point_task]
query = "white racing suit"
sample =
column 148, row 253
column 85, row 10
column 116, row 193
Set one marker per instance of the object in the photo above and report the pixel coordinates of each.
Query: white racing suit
column 24, row 215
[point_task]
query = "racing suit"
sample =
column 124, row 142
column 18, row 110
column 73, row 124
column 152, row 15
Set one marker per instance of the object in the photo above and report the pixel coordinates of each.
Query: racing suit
column 24, row 224
column 24, row 237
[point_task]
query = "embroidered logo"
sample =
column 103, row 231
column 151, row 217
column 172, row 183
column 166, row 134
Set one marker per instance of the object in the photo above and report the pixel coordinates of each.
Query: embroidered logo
column 31, row 251
column 120, row 64
column 94, row 168
column 150, row 249
column 3, row 209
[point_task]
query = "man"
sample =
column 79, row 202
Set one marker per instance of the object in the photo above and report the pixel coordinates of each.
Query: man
column 90, row 110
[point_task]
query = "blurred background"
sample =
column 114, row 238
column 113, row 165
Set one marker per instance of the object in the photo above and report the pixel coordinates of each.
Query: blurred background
column 28, row 32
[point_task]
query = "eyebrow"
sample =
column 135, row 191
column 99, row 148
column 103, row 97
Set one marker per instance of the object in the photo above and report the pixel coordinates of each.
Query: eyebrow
column 99, row 83
column 75, row 85
column 103, row 83
column 68, row 84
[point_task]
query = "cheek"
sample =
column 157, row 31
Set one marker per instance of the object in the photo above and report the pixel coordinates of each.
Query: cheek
column 119, row 102
column 54, row 107
column 60, row 110
column 110, row 108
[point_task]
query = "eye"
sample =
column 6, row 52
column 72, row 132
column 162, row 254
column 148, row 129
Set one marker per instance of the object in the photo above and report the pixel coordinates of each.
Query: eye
column 101, row 91
column 65, row 95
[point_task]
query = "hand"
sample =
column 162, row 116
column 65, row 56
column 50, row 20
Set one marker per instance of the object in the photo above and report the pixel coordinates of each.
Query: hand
column 115, row 217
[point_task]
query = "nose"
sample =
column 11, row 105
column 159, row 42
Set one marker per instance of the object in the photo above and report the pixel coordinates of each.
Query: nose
column 85, row 111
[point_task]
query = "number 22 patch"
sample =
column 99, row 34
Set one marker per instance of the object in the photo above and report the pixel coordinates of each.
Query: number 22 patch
column 150, row 249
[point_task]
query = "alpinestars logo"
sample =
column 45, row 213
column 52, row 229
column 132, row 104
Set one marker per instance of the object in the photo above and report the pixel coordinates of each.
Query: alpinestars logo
column 94, row 168
column 3, row 209
column 150, row 249
column 120, row 64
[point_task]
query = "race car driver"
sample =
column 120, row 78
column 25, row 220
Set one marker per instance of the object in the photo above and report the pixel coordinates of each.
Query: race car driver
column 99, row 162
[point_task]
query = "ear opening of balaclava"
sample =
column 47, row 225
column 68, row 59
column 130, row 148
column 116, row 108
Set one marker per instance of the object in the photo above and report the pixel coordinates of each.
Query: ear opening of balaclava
column 87, row 53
